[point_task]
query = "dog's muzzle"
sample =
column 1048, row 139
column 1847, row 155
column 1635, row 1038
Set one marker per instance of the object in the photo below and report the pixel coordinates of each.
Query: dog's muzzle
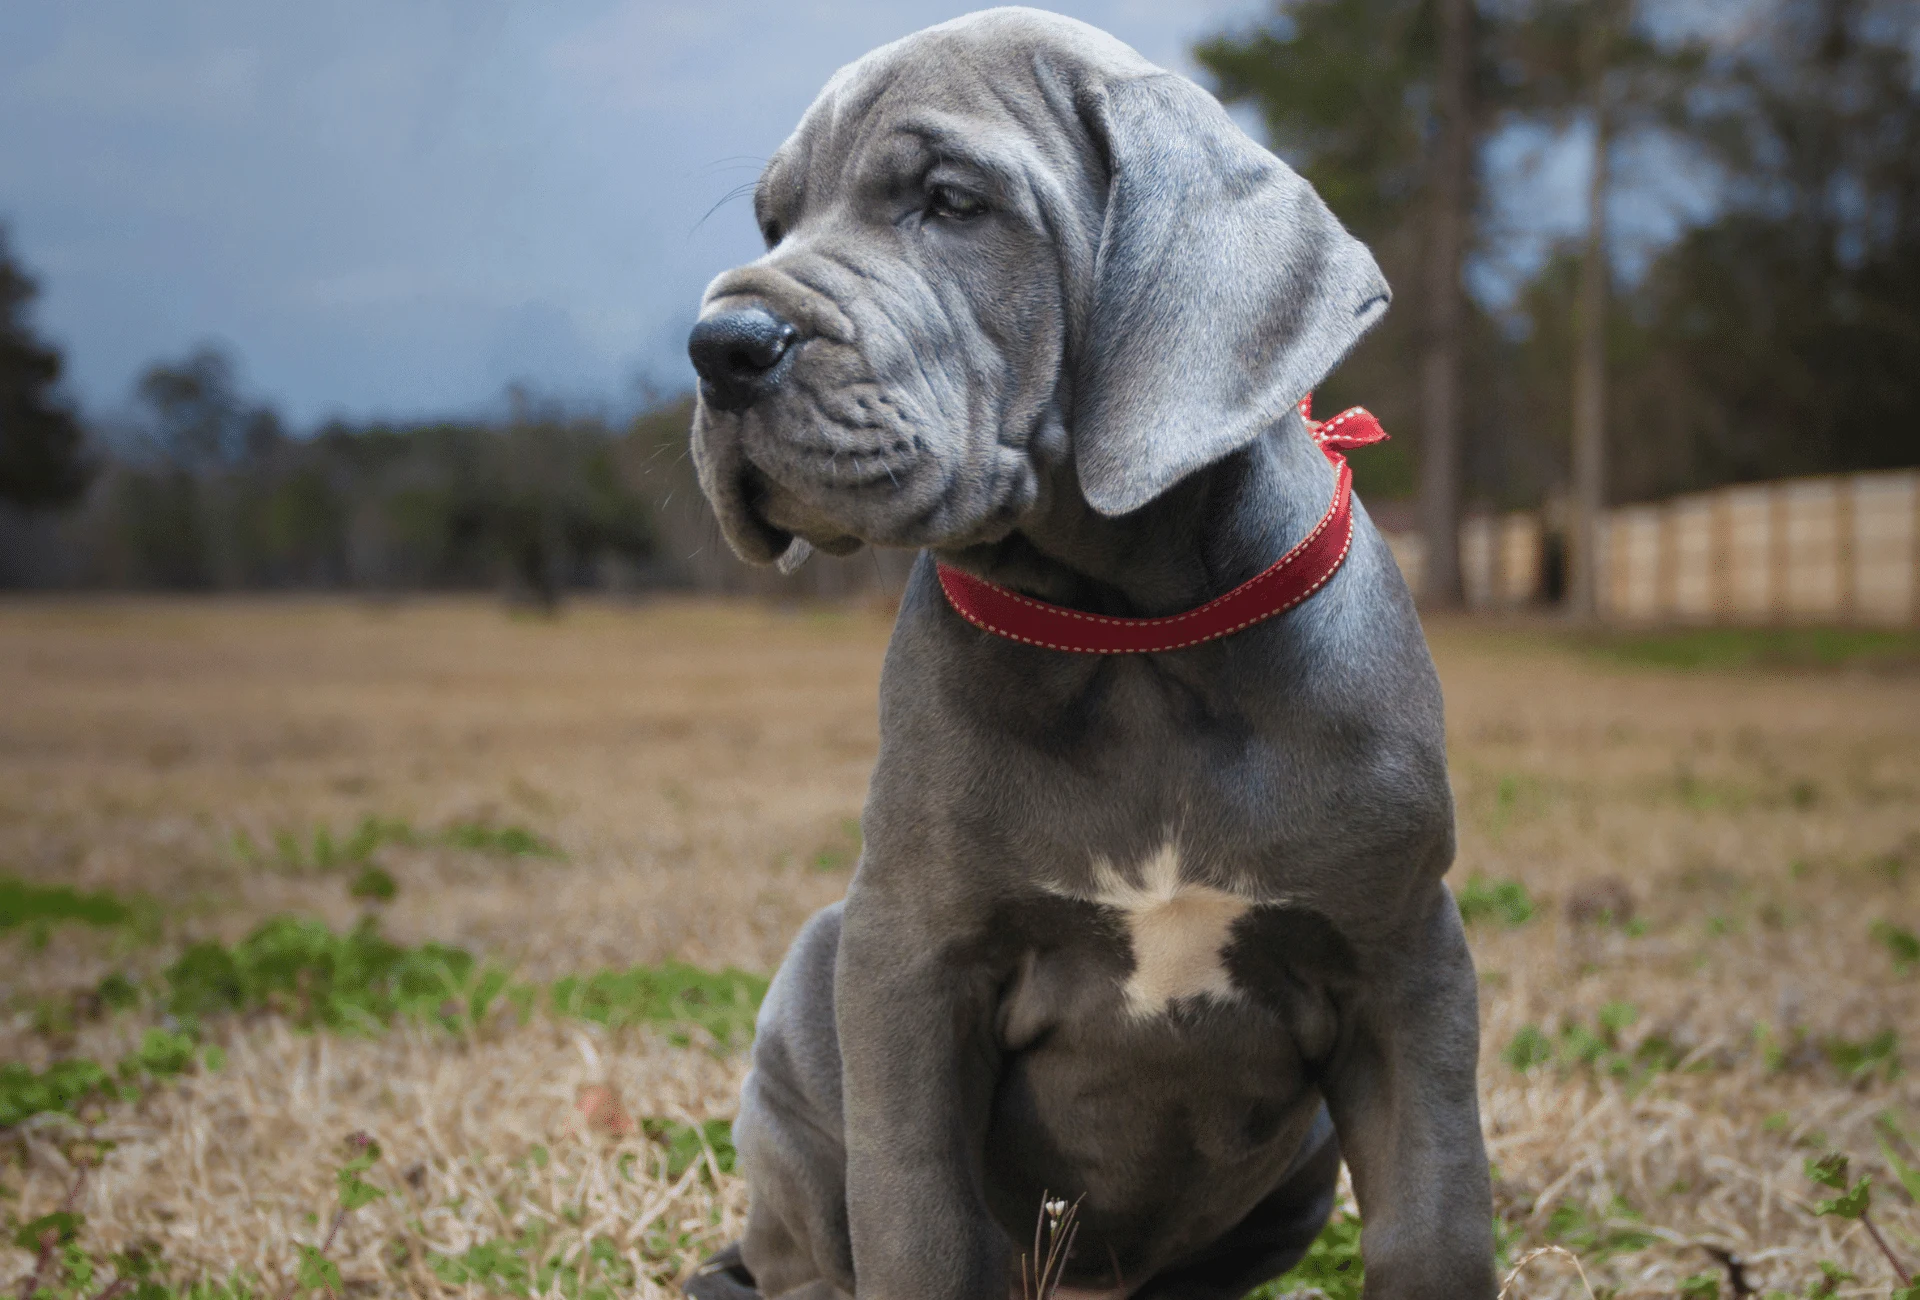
column 741, row 355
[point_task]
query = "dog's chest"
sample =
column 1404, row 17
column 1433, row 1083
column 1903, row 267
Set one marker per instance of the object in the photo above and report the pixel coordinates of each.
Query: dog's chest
column 1178, row 931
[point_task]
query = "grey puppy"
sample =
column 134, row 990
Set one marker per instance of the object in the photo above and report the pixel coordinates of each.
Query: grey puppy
column 1142, row 932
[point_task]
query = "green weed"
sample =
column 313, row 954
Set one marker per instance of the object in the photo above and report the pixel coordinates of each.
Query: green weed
column 162, row 1054
column 1890, row 1135
column 361, row 982
column 541, row 1258
column 1832, row 1278
column 1774, row 1054
column 65, row 1086
column 62, row 1086
column 723, row 1003
column 358, row 981
column 316, row 1272
column 1704, row 794
column 39, row 908
column 373, row 885
column 321, row 850
column 57, row 1016
column 841, row 855
column 1515, row 795
column 1860, row 1060
column 504, row 841
column 539, row 1262
column 1596, row 1236
column 1854, row 1202
column 22, row 903
column 1528, row 1048
column 684, row 1145
column 1332, row 1264
column 1830, row 1171
column 65, row 1269
column 1599, row 1047
column 1507, row 900
column 1901, row 944
column 1723, row 649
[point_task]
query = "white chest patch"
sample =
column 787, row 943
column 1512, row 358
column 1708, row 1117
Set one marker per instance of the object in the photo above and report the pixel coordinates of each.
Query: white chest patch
column 1179, row 931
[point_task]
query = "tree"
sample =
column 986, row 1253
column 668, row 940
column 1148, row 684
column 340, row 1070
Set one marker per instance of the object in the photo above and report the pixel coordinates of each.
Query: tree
column 553, row 500
column 1589, row 61
column 1784, row 336
column 1449, row 196
column 199, row 417
column 1387, row 106
column 1590, row 361
column 42, row 465
column 1376, row 103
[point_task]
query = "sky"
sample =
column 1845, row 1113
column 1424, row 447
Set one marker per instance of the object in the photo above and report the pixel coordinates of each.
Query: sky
column 394, row 210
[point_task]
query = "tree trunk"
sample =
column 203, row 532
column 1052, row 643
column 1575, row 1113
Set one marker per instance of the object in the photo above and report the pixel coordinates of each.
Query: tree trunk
column 1590, row 362
column 1440, row 363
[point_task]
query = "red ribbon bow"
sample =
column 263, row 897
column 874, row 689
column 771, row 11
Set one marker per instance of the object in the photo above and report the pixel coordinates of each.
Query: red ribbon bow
column 1292, row 578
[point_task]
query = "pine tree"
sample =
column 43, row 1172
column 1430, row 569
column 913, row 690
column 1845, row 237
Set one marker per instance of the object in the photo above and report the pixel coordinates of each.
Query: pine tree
column 42, row 465
column 1375, row 102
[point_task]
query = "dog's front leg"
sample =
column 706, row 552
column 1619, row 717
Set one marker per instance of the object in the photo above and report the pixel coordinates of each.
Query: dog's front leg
column 1404, row 1103
column 918, row 1069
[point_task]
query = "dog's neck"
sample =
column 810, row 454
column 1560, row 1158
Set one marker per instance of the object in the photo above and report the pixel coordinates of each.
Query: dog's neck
column 1210, row 532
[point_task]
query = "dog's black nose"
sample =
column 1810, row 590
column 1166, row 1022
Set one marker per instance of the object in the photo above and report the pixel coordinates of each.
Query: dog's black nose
column 737, row 353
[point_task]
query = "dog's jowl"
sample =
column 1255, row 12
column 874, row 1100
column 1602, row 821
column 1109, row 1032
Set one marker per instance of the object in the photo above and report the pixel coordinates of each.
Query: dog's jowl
column 1149, row 919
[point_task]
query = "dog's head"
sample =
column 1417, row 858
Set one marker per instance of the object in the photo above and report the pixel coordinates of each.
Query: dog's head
column 1008, row 256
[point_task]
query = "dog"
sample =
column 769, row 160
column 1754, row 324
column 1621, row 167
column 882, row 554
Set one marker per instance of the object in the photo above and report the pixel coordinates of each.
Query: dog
column 1159, row 934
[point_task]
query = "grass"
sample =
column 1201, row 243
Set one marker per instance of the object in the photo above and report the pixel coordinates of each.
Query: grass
column 38, row 909
column 359, row 982
column 538, row 1261
column 273, row 874
column 1602, row 1047
column 1507, row 900
column 322, row 850
column 1721, row 649
column 22, row 903
column 1332, row 1264
column 723, row 1004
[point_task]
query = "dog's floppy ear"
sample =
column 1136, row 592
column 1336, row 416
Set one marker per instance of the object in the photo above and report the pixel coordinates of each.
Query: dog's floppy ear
column 1223, row 291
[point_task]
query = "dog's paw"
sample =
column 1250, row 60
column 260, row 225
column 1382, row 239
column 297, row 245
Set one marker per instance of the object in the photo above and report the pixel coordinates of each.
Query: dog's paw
column 724, row 1276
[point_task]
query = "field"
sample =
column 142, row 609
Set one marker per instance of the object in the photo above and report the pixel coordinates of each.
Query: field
column 572, row 845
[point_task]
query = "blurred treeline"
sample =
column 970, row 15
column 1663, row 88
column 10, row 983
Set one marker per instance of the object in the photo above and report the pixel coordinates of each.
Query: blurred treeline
column 1779, row 140
column 203, row 488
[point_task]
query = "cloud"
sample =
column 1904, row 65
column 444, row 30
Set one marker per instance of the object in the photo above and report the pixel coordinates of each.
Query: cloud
column 394, row 208
column 538, row 343
column 365, row 287
column 103, row 72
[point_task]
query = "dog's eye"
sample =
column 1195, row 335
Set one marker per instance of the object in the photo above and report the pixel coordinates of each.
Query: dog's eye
column 953, row 204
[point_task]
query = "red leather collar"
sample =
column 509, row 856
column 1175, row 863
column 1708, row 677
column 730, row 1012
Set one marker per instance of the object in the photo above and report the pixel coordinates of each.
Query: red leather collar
column 1292, row 578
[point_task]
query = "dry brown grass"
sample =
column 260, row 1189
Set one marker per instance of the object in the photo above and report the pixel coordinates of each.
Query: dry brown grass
column 697, row 762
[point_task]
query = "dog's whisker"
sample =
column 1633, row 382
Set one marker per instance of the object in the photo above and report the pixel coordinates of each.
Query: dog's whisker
column 732, row 194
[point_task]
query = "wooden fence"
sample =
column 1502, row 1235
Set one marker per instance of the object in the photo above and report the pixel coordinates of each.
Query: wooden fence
column 1838, row 549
